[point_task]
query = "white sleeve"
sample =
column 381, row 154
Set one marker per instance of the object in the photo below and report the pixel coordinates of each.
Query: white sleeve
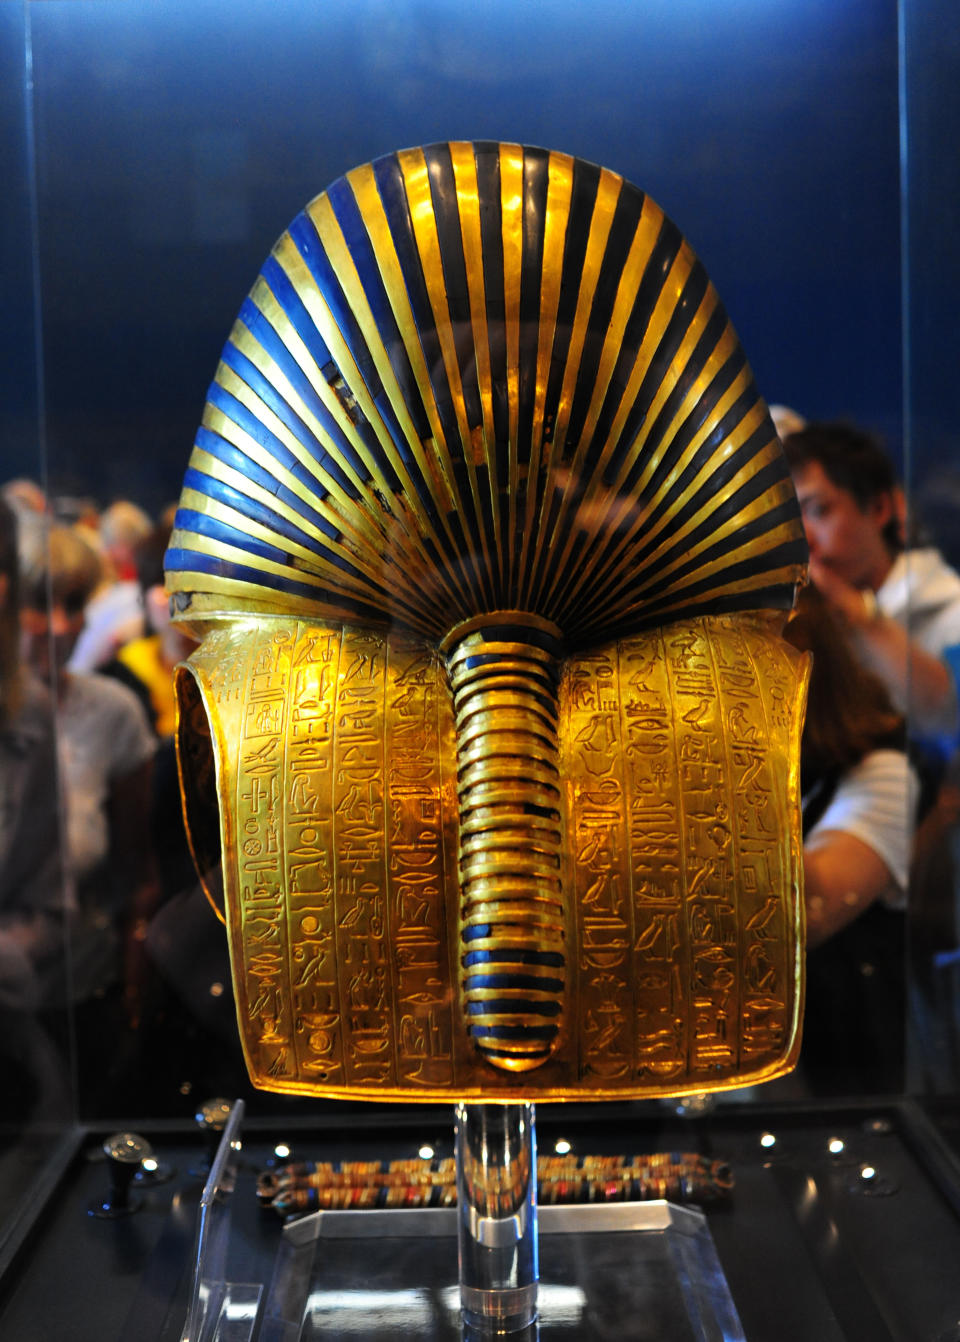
column 876, row 802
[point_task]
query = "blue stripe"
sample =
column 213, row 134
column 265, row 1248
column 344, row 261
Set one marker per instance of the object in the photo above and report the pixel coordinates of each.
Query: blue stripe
column 307, row 242
column 246, row 419
column 364, row 258
column 268, row 393
column 192, row 561
column 257, row 512
column 203, row 524
column 512, row 1006
column 230, row 455
column 257, row 324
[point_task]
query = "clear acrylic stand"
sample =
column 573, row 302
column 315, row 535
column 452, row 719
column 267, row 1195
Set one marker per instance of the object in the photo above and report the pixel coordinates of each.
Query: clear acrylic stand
column 496, row 1158
column 220, row 1310
column 637, row 1271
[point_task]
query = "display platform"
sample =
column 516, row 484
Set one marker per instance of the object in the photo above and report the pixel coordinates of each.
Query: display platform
column 647, row 1270
column 843, row 1224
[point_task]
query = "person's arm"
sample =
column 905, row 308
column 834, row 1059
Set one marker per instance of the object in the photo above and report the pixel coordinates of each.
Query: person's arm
column 919, row 684
column 842, row 877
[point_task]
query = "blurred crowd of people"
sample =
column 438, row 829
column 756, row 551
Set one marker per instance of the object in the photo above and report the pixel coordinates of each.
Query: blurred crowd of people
column 107, row 947
column 878, row 767
column 92, row 844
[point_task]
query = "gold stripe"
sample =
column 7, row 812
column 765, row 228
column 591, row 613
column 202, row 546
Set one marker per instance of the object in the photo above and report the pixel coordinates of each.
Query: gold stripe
column 608, row 193
column 331, row 236
column 511, row 230
column 368, row 554
column 417, row 183
column 556, row 219
column 353, row 546
column 622, row 504
column 644, row 241
column 402, row 537
column 226, row 428
column 766, row 502
column 604, row 207
column 615, row 566
column 221, row 549
column 753, row 549
column 372, row 591
column 724, row 349
column 468, row 196
column 231, row 382
column 298, row 272
column 247, row 343
column 436, row 462
column 610, row 505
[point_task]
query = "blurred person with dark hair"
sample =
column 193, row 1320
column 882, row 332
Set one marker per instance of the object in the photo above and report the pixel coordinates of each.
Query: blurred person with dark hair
column 106, row 755
column 859, row 797
column 900, row 606
column 189, row 1032
column 35, row 896
column 146, row 666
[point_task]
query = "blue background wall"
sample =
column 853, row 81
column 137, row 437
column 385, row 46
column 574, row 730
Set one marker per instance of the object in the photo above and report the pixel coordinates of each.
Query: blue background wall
column 175, row 141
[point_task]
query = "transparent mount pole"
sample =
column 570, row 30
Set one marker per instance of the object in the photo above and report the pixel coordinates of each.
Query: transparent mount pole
column 496, row 1159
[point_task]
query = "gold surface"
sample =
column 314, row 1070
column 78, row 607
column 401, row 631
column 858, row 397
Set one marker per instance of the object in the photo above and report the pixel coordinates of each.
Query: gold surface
column 507, row 794
column 336, row 764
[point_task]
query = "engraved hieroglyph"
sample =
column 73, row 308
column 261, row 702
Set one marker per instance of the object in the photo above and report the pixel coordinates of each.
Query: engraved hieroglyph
column 341, row 860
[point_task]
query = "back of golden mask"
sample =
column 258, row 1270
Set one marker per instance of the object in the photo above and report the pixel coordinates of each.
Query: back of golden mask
column 489, row 541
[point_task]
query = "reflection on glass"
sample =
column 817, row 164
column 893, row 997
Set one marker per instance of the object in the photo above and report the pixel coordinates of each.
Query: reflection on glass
column 34, row 900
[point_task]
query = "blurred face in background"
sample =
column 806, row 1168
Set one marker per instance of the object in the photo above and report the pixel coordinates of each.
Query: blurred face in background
column 48, row 637
column 843, row 537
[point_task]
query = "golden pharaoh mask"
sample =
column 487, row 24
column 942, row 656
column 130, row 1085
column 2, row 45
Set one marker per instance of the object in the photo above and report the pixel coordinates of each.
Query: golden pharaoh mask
column 489, row 540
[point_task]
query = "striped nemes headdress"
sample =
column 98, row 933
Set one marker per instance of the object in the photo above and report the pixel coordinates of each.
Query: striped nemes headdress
column 489, row 538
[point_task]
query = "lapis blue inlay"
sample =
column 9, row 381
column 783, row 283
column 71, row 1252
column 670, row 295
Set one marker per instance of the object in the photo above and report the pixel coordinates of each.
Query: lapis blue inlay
column 246, row 419
column 204, row 525
column 494, row 1006
column 194, row 561
column 361, row 251
column 552, row 959
column 251, row 375
column 308, row 244
column 256, row 512
column 293, row 306
column 390, row 184
column 260, row 328
column 304, row 235
column 232, row 456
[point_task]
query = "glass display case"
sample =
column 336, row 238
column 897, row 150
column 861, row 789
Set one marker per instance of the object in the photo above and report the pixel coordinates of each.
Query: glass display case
column 154, row 152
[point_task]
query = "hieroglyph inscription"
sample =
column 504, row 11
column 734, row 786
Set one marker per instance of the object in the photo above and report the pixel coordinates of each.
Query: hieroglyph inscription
column 676, row 754
column 337, row 774
column 340, row 864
